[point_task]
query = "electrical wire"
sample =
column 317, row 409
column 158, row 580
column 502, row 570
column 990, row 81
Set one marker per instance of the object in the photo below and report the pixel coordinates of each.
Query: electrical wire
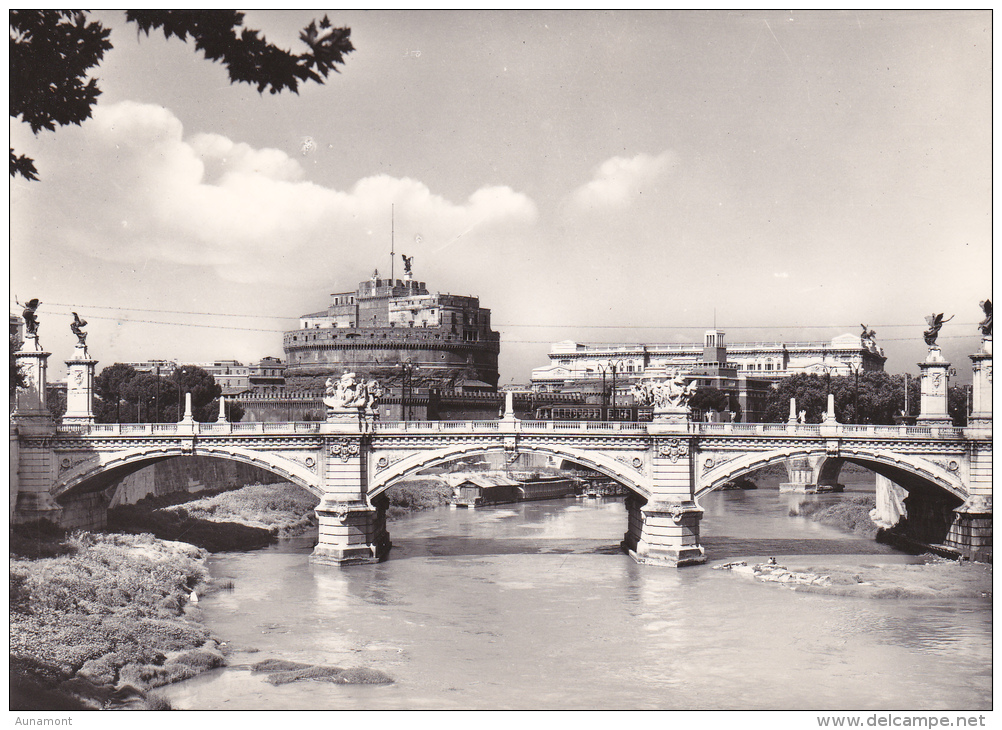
column 669, row 328
column 80, row 307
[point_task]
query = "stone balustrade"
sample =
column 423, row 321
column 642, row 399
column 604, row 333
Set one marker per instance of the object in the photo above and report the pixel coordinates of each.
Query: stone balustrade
column 526, row 426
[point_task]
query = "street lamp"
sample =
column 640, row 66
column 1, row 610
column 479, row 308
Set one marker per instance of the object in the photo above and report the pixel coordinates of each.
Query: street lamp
column 604, row 368
column 855, row 397
column 615, row 369
column 405, row 388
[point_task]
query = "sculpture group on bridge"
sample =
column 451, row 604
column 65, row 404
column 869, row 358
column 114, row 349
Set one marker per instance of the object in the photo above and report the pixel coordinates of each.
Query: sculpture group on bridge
column 670, row 394
column 869, row 341
column 347, row 393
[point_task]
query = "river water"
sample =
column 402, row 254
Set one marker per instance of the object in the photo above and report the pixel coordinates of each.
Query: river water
column 533, row 606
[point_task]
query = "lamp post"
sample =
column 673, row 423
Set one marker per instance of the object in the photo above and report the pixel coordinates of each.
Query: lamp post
column 605, row 368
column 855, row 397
column 615, row 369
column 405, row 390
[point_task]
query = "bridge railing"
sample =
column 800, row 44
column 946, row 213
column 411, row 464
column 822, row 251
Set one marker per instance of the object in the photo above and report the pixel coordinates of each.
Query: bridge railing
column 517, row 426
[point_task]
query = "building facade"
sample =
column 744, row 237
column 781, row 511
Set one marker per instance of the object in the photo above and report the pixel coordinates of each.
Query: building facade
column 383, row 324
column 265, row 376
column 604, row 374
column 571, row 361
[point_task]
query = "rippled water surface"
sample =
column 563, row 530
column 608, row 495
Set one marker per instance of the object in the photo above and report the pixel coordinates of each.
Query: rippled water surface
column 533, row 606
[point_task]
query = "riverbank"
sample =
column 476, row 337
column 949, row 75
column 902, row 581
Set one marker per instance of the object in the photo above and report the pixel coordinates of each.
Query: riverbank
column 241, row 519
column 417, row 494
column 851, row 514
column 98, row 620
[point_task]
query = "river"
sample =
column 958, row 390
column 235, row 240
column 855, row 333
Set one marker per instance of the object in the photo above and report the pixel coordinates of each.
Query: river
column 533, row 606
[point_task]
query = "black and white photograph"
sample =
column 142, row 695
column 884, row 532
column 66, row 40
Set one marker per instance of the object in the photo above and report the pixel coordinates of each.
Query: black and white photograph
column 501, row 360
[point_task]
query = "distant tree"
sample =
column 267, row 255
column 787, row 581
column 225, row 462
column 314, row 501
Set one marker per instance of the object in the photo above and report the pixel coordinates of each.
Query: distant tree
column 234, row 411
column 55, row 401
column 708, row 398
column 203, row 388
column 110, row 386
column 154, row 397
column 52, row 52
column 957, row 404
column 18, row 380
column 881, row 398
column 809, row 390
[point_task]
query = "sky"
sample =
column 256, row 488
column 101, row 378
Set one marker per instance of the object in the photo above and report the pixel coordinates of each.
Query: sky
column 599, row 176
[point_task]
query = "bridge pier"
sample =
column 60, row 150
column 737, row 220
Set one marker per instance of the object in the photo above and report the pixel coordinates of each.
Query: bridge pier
column 351, row 534
column 663, row 533
column 352, row 528
column 664, row 530
column 971, row 531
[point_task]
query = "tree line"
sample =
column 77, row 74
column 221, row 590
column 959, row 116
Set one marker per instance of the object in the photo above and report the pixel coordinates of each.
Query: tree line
column 123, row 394
column 873, row 397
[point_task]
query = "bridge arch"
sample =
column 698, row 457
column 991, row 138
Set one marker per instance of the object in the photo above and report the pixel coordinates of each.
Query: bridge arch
column 410, row 465
column 914, row 469
column 99, row 469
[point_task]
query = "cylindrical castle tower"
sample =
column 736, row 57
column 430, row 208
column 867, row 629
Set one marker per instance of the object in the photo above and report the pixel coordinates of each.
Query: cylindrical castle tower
column 383, row 324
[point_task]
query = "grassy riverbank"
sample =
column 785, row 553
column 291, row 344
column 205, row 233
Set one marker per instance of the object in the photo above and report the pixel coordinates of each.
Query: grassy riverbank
column 255, row 515
column 417, row 494
column 97, row 620
column 240, row 519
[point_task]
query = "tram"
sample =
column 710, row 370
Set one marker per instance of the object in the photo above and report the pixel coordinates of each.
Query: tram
column 582, row 412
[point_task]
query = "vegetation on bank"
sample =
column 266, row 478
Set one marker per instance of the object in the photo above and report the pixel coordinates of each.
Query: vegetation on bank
column 284, row 672
column 240, row 519
column 97, row 620
column 414, row 495
column 851, row 514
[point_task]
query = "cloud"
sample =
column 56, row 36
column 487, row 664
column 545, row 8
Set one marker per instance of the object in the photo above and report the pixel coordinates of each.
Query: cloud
column 131, row 187
column 620, row 182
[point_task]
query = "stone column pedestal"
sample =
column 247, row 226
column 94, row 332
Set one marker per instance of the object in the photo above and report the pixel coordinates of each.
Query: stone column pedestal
column 935, row 386
column 671, row 415
column 663, row 533
column 981, row 401
column 351, row 533
column 971, row 531
column 30, row 402
column 80, row 388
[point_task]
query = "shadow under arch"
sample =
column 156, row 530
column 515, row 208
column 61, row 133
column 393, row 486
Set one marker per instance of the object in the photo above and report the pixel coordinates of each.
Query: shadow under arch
column 101, row 470
column 912, row 473
column 419, row 461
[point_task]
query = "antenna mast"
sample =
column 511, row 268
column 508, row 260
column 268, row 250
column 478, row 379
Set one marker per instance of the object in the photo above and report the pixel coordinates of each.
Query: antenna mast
column 392, row 254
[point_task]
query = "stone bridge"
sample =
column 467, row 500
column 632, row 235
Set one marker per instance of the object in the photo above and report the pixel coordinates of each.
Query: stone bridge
column 668, row 467
column 61, row 472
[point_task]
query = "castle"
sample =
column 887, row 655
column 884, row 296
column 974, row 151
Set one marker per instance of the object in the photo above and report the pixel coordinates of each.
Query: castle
column 386, row 327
